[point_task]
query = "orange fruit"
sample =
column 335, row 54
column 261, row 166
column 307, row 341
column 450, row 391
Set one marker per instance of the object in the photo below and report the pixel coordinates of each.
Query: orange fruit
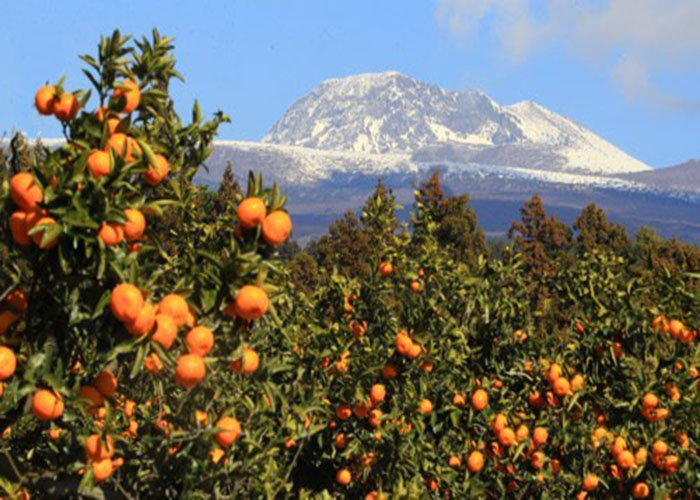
column 375, row 417
column 454, row 462
column 251, row 302
column 190, row 370
column 44, row 99
column 561, row 387
column 619, row 445
column 176, row 307
column 122, row 145
column 106, row 383
column 425, row 407
column 343, row 476
column 25, row 192
column 199, row 340
column 111, row 234
column 144, row 321
column 99, row 163
column 480, row 399
column 166, row 331
column 65, row 108
column 158, row 172
column 625, row 460
column 343, row 412
column 91, row 397
column 640, row 456
column 475, row 462
column 102, row 469
column 506, row 437
column 590, row 482
column 251, row 212
column 415, row 351
column 47, row 405
column 577, row 383
column 538, row 459
column 415, row 286
column 19, row 229
column 55, row 433
column 385, row 268
column 659, row 448
column 650, row 400
column 153, row 364
column 276, row 228
column 640, row 490
column 459, row 399
column 522, row 433
column 38, row 236
column 676, row 328
column 539, row 436
column 128, row 93
column 389, row 371
column 341, row 441
column 377, row 393
column 8, row 362
column 404, row 344
column 96, row 449
column 499, row 423
column 554, row 373
column 135, row 225
column 248, row 363
column 126, row 302
column 17, row 300
column 230, row 431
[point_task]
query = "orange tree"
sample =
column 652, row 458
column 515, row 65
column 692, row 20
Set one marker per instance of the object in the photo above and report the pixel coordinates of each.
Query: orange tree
column 142, row 349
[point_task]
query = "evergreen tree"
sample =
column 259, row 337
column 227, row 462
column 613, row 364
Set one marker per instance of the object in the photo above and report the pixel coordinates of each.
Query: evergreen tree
column 595, row 232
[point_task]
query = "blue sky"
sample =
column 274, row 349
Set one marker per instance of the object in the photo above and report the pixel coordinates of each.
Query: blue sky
column 637, row 88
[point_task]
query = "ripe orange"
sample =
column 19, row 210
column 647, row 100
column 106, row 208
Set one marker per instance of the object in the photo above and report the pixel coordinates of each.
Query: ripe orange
column 454, row 462
column 561, row 387
column 128, row 93
column 343, row 476
column 385, row 268
column 102, row 469
column 144, row 321
column 619, row 445
column 190, row 370
column 19, row 229
column 55, row 433
column 343, row 412
column 475, row 462
column 539, row 436
column 135, row 225
column 38, row 236
column 153, row 364
column 96, row 449
column 577, row 383
column 47, row 405
column 251, row 302
column 230, row 431
column 111, row 234
column 8, row 362
column 166, row 331
column 480, row 399
column 403, row 343
column 650, row 401
column 126, row 302
column 99, row 163
column 640, row 490
column 506, row 437
column 425, row 407
column 341, row 441
column 522, row 433
column 389, row 371
column 377, row 393
column 65, row 108
column 90, row 397
column 25, row 192
column 248, row 363
column 375, row 417
column 676, row 328
column 44, row 100
column 122, row 145
column 590, row 482
column 625, row 460
column 640, row 456
column 499, row 423
column 538, row 459
column 276, row 228
column 106, row 383
column 459, row 400
column 554, row 373
column 157, row 174
column 176, row 307
column 199, row 340
column 415, row 286
column 17, row 300
column 659, row 448
column 415, row 351
column 251, row 212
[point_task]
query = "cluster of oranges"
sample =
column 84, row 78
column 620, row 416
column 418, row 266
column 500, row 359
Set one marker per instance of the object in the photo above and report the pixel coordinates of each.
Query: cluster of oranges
column 276, row 226
column 675, row 328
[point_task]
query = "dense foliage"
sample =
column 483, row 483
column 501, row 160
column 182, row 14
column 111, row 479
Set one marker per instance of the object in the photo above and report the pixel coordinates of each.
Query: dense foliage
column 406, row 361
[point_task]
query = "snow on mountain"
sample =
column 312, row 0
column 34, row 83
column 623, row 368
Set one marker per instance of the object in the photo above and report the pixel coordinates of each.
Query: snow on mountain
column 389, row 112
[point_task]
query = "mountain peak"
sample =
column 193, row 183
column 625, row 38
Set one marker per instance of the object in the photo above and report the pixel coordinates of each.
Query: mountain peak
column 390, row 112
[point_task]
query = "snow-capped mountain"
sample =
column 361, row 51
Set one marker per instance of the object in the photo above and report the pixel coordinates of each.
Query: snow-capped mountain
column 380, row 113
